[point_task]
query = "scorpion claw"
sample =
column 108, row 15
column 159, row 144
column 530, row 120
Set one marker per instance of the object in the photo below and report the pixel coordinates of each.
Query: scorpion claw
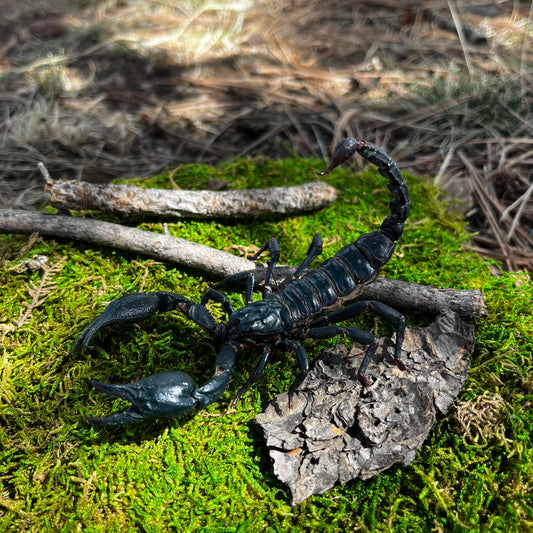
column 126, row 417
column 168, row 394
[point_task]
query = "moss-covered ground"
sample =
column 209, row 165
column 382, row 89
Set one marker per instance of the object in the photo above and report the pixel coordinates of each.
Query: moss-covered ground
column 210, row 472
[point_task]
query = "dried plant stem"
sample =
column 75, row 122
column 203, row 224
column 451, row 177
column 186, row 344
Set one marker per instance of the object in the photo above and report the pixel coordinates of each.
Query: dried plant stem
column 521, row 203
column 460, row 34
column 74, row 194
column 220, row 264
column 485, row 202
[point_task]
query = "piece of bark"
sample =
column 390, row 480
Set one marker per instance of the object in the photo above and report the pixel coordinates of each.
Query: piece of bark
column 219, row 264
column 338, row 431
column 235, row 204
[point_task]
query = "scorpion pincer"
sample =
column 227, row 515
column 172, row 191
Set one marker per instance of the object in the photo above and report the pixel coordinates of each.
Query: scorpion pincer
column 309, row 306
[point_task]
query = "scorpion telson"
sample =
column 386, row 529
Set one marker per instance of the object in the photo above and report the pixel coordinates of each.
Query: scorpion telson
column 309, row 306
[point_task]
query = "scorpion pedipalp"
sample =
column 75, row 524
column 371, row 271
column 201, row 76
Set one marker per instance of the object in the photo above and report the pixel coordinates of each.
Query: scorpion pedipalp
column 161, row 395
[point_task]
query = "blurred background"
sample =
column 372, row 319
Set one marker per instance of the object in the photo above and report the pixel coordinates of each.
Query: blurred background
column 124, row 88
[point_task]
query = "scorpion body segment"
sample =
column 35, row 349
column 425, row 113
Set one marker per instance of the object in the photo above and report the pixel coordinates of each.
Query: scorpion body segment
column 309, row 306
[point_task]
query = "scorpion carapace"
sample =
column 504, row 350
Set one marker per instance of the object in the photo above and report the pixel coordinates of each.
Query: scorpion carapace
column 309, row 306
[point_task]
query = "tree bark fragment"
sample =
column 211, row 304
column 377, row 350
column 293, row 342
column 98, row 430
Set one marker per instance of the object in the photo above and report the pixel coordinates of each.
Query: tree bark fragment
column 234, row 204
column 338, row 431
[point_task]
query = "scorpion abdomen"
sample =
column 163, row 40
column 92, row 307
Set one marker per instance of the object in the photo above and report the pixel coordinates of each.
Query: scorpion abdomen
column 376, row 247
column 331, row 283
column 355, row 262
column 301, row 299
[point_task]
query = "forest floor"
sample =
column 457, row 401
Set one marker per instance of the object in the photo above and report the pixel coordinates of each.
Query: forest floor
column 99, row 89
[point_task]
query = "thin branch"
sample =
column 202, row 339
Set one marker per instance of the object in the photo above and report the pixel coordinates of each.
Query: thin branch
column 159, row 246
column 74, row 194
column 219, row 264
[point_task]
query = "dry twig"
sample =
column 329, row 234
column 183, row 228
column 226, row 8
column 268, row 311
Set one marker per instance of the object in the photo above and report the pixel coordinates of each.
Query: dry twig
column 220, row 264
column 249, row 203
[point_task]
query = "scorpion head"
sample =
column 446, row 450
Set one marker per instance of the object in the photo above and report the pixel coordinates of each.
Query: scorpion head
column 264, row 318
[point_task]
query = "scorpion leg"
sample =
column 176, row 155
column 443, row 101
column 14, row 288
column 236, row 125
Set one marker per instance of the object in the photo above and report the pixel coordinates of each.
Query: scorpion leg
column 220, row 297
column 358, row 335
column 303, row 365
column 272, row 246
column 383, row 311
column 315, row 249
column 255, row 376
column 247, row 276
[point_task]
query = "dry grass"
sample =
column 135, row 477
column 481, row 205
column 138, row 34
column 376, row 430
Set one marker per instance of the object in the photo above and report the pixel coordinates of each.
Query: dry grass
column 482, row 419
column 100, row 89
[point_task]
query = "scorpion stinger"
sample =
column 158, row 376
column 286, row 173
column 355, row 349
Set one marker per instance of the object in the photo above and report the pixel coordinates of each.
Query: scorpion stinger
column 309, row 306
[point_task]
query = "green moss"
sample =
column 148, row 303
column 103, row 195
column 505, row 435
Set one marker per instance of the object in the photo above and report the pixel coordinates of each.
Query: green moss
column 210, row 472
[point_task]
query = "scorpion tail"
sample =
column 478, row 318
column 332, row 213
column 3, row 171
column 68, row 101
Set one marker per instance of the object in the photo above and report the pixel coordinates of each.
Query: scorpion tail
column 392, row 226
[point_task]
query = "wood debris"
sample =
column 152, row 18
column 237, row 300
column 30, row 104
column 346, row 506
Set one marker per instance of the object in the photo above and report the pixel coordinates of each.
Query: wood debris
column 238, row 204
column 338, row 431
column 219, row 263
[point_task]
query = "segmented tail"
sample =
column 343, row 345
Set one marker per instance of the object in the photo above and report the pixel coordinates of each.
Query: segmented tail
column 393, row 225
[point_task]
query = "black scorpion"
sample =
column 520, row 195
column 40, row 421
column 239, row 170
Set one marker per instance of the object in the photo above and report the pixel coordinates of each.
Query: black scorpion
column 309, row 306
